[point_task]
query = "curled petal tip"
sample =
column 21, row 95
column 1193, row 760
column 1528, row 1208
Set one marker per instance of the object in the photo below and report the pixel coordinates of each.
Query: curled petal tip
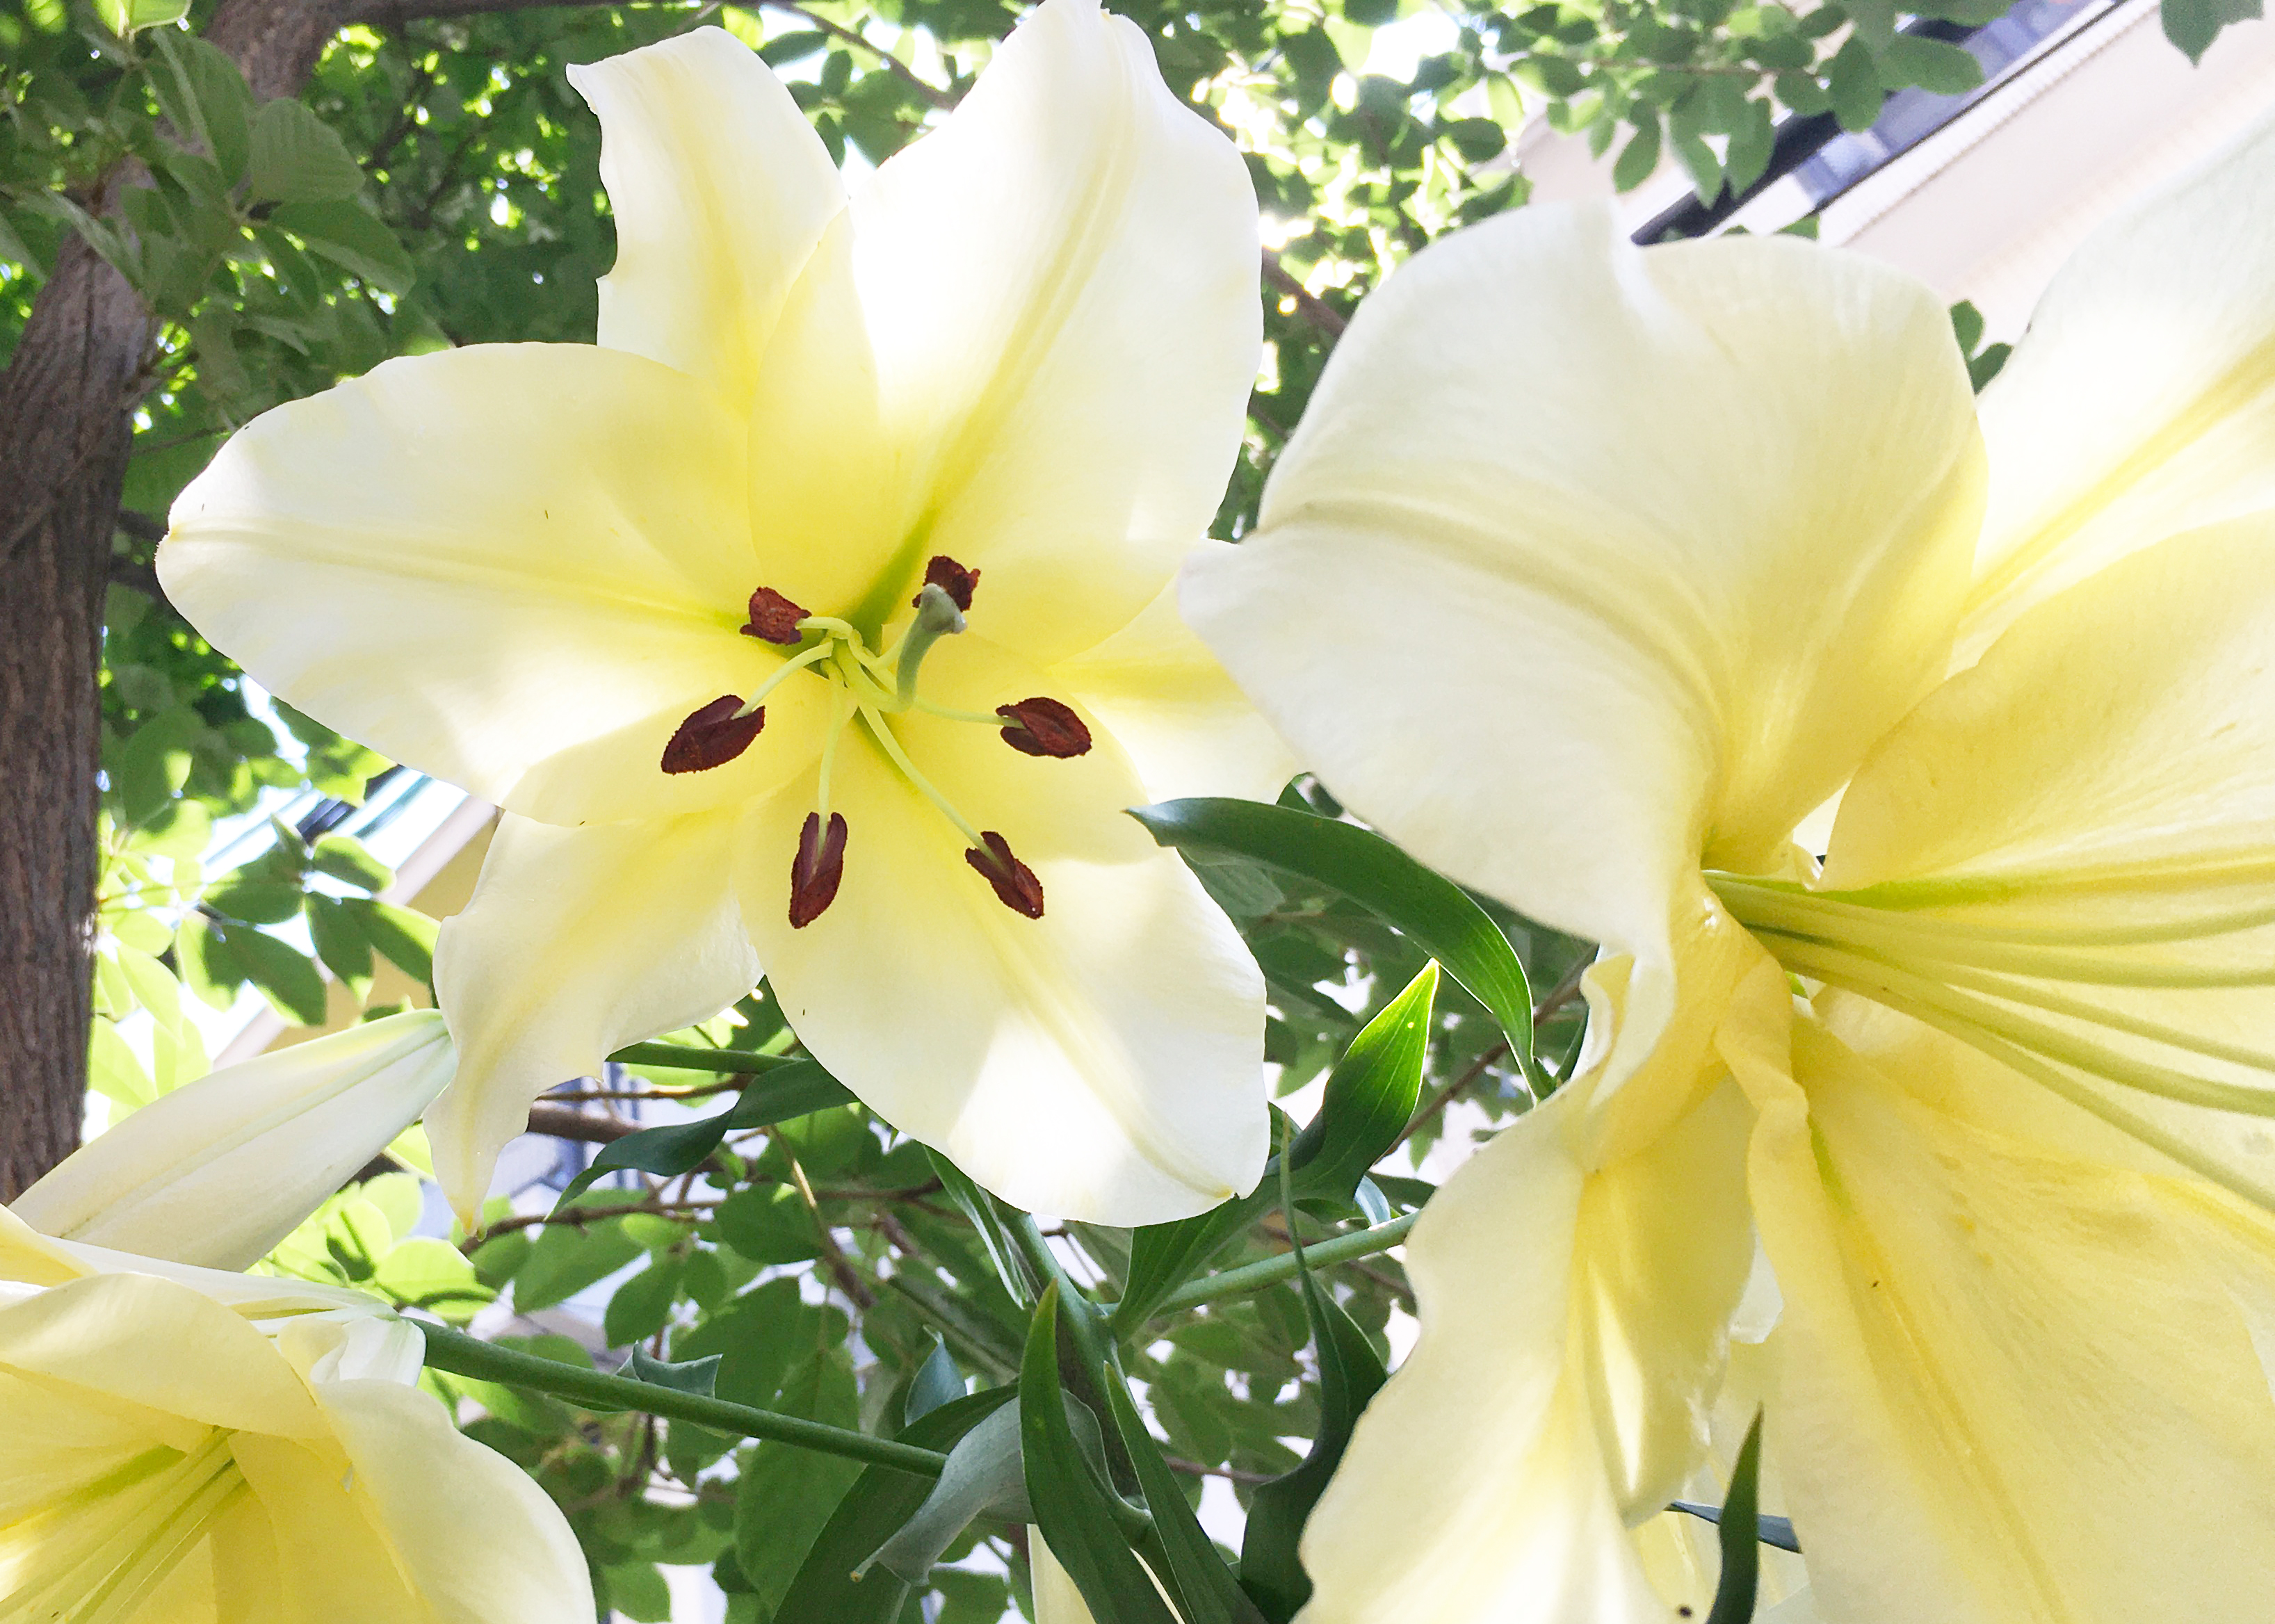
column 713, row 736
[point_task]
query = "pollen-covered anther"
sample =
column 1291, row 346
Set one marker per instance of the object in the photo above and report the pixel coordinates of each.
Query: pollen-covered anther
column 1016, row 885
column 952, row 578
column 774, row 618
column 713, row 736
column 816, row 870
column 1044, row 727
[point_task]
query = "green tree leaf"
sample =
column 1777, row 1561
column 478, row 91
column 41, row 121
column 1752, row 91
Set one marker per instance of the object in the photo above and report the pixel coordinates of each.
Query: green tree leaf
column 125, row 17
column 295, row 157
column 344, row 859
column 349, row 237
column 782, row 1094
column 2193, row 25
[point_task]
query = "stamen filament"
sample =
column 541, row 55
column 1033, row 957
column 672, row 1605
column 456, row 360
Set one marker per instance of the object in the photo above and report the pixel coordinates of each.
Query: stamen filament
column 900, row 759
column 796, row 663
column 2251, row 867
column 988, row 719
column 864, row 687
column 1886, row 984
column 2020, row 950
column 2069, row 1088
column 839, row 715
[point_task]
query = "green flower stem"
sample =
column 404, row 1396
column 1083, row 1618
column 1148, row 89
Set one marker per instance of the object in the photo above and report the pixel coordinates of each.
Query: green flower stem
column 1082, row 1313
column 466, row 1355
column 1272, row 1271
column 683, row 1058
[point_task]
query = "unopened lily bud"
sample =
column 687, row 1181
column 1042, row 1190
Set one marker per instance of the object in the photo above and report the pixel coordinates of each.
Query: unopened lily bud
column 219, row 1171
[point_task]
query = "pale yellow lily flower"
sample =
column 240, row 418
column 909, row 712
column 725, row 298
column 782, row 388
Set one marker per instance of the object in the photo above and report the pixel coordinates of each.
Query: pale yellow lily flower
column 166, row 1460
column 1590, row 573
column 1001, row 387
column 219, row 1171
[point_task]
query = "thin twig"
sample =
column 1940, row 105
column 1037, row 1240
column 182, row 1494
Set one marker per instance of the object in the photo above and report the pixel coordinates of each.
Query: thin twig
column 931, row 92
column 1309, row 305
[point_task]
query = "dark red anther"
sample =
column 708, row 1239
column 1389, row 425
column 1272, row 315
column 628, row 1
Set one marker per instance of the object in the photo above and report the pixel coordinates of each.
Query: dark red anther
column 1043, row 727
column 713, row 736
column 816, row 870
column 952, row 578
column 774, row 618
column 1016, row 885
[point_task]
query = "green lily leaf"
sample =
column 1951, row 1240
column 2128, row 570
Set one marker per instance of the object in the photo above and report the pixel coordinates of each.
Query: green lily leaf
column 1742, row 1555
column 836, row 1584
column 1073, row 1504
column 1437, row 914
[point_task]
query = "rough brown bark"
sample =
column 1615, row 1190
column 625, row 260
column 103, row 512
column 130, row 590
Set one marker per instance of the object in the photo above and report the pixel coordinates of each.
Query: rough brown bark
column 64, row 438
column 63, row 421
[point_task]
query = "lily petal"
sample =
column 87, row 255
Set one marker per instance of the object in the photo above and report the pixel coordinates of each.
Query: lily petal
column 2010, row 1393
column 1103, row 1061
column 219, row 1171
column 474, row 1537
column 1587, row 558
column 1059, row 289
column 29, row 1258
column 1559, row 1392
column 720, row 189
column 1174, row 710
column 2077, row 831
column 2141, row 402
column 576, row 942
column 518, row 567
column 93, row 1339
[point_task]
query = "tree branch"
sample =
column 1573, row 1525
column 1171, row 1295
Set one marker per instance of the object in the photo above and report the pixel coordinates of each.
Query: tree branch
column 1309, row 305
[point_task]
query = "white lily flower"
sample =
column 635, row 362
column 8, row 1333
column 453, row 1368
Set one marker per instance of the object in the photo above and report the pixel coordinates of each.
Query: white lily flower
column 163, row 1456
column 583, row 581
column 219, row 1171
column 1592, row 571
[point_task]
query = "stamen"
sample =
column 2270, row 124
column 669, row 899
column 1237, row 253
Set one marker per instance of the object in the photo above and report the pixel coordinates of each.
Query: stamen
column 713, row 736
column 775, row 618
column 1016, row 885
column 1043, row 727
column 820, row 866
column 952, row 578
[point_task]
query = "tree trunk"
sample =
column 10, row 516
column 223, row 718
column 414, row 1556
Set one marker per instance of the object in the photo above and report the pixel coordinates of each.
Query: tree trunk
column 65, row 434
column 63, row 423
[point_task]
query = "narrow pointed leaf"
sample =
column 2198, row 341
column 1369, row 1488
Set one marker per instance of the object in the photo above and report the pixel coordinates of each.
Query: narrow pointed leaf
column 1206, row 1591
column 937, row 1382
column 1742, row 1555
column 882, row 1499
column 1350, row 1374
column 1070, row 1501
column 1435, row 913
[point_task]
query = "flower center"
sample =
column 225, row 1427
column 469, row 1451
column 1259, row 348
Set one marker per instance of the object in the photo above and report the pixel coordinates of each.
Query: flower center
column 96, row 1556
column 874, row 685
column 2054, row 977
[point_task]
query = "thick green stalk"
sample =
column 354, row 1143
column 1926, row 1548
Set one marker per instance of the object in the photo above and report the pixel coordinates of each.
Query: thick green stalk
column 1272, row 1271
column 466, row 1355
